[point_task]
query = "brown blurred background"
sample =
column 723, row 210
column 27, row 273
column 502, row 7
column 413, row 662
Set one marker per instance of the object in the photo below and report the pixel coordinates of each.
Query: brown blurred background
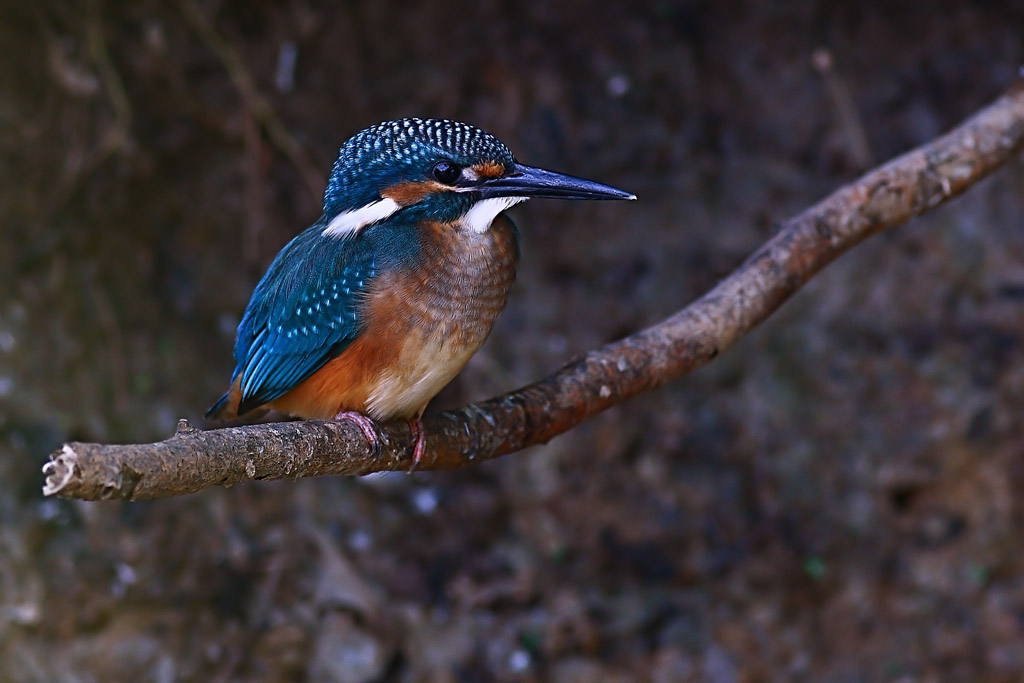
column 835, row 499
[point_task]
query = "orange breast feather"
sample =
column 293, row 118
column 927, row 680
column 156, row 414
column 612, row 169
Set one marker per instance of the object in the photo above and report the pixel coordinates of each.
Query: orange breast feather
column 422, row 326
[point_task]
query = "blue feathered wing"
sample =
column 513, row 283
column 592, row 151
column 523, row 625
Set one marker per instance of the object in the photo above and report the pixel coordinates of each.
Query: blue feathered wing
column 304, row 312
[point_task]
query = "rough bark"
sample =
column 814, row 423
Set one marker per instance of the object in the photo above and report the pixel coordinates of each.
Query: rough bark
column 887, row 196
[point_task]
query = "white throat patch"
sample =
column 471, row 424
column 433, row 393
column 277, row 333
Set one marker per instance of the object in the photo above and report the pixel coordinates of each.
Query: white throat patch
column 351, row 222
column 479, row 218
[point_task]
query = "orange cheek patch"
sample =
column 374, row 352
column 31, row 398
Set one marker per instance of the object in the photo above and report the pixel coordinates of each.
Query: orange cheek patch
column 406, row 194
column 489, row 169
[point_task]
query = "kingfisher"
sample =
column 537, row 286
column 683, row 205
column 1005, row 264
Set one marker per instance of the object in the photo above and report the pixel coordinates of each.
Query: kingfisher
column 368, row 313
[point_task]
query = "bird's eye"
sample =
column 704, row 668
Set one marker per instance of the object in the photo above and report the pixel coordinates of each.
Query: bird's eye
column 447, row 172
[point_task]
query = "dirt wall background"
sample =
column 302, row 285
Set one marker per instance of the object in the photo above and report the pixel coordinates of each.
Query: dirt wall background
column 835, row 499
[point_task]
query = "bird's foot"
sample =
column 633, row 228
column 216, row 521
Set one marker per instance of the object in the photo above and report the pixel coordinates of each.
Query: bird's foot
column 365, row 425
column 420, row 442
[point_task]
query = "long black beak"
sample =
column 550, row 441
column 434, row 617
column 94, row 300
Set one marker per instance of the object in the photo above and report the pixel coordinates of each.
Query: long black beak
column 527, row 181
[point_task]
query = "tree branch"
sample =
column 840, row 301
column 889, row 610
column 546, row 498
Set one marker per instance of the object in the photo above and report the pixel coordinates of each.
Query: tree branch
column 192, row 460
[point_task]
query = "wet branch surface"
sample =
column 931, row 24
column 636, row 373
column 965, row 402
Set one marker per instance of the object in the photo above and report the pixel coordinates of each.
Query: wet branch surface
column 887, row 196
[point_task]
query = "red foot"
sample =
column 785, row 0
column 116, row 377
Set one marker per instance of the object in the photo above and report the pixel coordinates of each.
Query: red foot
column 416, row 427
column 365, row 424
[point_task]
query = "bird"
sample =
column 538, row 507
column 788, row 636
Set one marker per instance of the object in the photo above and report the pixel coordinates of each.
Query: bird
column 369, row 312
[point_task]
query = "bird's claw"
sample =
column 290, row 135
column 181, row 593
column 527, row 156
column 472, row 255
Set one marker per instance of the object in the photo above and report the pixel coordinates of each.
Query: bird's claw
column 366, row 426
column 419, row 442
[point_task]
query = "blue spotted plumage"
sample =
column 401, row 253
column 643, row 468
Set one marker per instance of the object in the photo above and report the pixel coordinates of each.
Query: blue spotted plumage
column 377, row 305
column 298, row 321
column 394, row 151
column 307, row 307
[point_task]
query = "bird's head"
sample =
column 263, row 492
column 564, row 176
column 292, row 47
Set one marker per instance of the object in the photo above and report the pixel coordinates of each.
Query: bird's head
column 445, row 170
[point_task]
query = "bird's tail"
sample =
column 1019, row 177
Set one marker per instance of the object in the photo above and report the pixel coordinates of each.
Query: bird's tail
column 226, row 407
column 217, row 410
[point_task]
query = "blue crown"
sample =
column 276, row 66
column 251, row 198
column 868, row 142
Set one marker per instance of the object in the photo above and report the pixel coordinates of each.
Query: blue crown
column 404, row 149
